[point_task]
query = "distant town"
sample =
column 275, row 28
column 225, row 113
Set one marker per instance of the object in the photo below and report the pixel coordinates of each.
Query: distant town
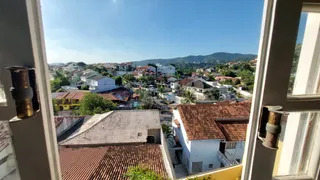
column 174, row 113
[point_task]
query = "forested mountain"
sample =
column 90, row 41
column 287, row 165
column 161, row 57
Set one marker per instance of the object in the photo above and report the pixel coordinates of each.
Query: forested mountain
column 215, row 58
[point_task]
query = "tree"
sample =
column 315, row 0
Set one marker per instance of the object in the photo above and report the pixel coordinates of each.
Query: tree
column 84, row 87
column 213, row 94
column 128, row 78
column 94, row 104
column 105, row 73
column 142, row 173
column 161, row 89
column 59, row 80
column 247, row 77
column 147, row 102
column 54, row 102
column 81, row 64
column 227, row 72
column 166, row 130
column 236, row 81
column 189, row 97
column 211, row 77
column 75, row 79
column 118, row 80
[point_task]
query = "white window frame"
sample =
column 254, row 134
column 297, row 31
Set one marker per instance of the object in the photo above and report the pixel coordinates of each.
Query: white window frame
column 276, row 48
column 34, row 138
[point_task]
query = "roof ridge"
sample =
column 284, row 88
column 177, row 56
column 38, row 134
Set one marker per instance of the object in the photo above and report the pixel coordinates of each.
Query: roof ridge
column 91, row 126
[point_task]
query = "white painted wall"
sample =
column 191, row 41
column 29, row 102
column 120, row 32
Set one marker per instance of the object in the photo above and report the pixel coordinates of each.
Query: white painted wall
column 236, row 153
column 102, row 84
column 205, row 151
column 174, row 85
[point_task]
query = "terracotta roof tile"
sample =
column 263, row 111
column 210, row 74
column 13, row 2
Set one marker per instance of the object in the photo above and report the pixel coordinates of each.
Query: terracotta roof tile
column 109, row 162
column 109, row 96
column 234, row 131
column 61, row 95
column 185, row 81
column 69, row 95
column 200, row 121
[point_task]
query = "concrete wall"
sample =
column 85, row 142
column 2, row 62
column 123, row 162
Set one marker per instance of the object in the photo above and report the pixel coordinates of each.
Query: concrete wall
column 156, row 134
column 66, row 124
column 178, row 99
column 205, row 151
column 236, row 153
column 166, row 157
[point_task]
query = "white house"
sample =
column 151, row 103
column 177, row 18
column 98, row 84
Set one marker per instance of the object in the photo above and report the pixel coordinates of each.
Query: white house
column 212, row 136
column 144, row 71
column 174, row 85
column 166, row 70
column 100, row 83
column 197, row 86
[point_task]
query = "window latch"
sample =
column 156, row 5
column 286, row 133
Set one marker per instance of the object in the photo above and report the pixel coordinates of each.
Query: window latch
column 270, row 126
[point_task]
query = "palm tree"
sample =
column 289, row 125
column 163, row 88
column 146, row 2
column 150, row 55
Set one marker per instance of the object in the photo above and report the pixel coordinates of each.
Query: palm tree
column 189, row 97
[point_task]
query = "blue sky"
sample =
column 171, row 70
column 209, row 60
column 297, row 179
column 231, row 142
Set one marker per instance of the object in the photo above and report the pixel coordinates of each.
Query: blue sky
column 127, row 30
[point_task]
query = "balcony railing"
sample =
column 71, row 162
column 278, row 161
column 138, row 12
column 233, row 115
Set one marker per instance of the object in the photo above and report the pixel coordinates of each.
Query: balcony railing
column 225, row 161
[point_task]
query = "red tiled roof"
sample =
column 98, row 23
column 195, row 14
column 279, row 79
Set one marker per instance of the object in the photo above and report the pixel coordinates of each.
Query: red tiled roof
column 200, row 120
column 234, row 131
column 185, row 81
column 142, row 68
column 61, row 95
column 71, row 95
column 109, row 162
column 109, row 96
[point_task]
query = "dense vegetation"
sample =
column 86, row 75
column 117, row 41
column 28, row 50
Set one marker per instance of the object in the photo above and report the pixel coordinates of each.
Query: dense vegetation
column 94, row 104
column 142, row 173
column 215, row 58
column 59, row 80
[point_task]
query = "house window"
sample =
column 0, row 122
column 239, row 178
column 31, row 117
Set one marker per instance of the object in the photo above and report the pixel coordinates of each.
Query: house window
column 139, row 134
column 210, row 165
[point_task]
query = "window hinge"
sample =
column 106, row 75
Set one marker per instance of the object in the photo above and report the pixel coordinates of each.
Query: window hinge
column 270, row 125
column 24, row 91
